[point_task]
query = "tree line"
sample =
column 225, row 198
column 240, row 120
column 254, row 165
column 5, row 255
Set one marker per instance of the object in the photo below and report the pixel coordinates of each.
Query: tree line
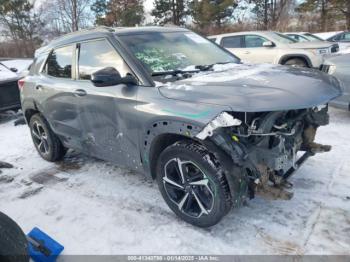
column 25, row 25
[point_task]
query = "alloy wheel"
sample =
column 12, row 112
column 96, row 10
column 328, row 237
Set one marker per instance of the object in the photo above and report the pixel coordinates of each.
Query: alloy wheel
column 188, row 187
column 40, row 138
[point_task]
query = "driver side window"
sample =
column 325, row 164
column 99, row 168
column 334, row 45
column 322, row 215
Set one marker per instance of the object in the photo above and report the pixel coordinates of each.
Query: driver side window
column 253, row 41
column 98, row 54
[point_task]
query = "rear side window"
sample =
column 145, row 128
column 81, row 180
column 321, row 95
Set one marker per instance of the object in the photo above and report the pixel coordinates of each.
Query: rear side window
column 232, row 42
column 96, row 55
column 59, row 62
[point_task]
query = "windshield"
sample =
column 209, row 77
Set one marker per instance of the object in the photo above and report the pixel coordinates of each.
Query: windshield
column 283, row 38
column 302, row 39
column 173, row 51
column 313, row 37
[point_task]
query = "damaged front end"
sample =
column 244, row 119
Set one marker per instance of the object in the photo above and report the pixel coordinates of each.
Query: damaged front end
column 265, row 148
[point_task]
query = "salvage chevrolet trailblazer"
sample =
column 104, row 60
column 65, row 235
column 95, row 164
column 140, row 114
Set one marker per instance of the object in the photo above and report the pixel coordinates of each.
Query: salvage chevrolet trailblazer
column 171, row 104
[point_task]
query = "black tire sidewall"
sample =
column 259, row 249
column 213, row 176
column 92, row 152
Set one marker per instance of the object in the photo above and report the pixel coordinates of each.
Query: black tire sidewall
column 184, row 153
column 13, row 242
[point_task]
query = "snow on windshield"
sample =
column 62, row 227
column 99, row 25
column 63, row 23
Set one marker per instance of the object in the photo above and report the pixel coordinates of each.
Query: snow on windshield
column 169, row 51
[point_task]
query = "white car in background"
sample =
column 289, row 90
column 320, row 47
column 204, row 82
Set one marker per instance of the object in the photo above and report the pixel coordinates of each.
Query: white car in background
column 275, row 48
column 304, row 37
column 340, row 37
column 339, row 67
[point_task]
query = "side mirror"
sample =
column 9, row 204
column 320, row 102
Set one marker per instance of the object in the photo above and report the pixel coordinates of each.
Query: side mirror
column 15, row 70
column 109, row 76
column 268, row 44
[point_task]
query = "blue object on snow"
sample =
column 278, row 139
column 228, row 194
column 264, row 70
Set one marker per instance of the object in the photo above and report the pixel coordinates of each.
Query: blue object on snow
column 43, row 248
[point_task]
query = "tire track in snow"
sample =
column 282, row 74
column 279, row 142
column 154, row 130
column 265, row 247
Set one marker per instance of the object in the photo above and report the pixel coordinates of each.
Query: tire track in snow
column 311, row 224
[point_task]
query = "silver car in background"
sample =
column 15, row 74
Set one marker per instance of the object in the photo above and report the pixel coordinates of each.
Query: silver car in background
column 339, row 66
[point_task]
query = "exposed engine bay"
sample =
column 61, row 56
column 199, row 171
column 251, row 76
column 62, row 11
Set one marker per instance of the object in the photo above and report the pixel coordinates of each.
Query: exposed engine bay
column 265, row 145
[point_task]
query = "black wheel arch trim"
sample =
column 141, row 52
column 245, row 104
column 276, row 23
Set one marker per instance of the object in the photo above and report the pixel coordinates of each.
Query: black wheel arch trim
column 285, row 58
column 162, row 134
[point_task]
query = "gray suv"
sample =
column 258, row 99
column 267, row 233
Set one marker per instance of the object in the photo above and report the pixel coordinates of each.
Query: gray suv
column 173, row 105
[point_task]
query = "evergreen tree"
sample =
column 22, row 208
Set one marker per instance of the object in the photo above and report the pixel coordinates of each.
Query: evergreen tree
column 21, row 24
column 212, row 12
column 118, row 12
column 99, row 8
column 323, row 7
column 170, row 11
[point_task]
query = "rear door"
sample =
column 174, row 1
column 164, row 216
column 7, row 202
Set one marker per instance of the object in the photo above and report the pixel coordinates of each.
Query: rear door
column 53, row 89
column 108, row 122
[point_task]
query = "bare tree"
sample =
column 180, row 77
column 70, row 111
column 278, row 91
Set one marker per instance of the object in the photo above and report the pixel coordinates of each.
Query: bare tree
column 64, row 16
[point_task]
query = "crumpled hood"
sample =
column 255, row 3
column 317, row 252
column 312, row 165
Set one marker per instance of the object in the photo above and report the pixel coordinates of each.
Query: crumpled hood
column 311, row 45
column 253, row 88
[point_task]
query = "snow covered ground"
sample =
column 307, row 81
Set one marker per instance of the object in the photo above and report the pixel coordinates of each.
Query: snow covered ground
column 93, row 207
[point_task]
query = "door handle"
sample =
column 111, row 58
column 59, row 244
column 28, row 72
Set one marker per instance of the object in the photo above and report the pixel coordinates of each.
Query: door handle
column 80, row 92
column 246, row 52
column 39, row 87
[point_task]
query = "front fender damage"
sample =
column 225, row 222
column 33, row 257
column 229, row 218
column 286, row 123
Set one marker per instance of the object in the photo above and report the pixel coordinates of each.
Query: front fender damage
column 260, row 149
column 224, row 119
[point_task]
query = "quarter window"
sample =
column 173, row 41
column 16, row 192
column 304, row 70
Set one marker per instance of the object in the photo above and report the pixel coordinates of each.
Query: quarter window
column 59, row 62
column 96, row 55
column 232, row 42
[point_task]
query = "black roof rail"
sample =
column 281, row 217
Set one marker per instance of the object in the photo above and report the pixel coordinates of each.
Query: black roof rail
column 96, row 28
column 68, row 35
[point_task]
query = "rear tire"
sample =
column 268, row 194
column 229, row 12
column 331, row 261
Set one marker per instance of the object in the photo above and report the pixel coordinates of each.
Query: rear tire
column 296, row 62
column 13, row 242
column 46, row 142
column 200, row 195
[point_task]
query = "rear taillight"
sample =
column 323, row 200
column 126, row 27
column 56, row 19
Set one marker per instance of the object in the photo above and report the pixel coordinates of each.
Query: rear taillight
column 21, row 83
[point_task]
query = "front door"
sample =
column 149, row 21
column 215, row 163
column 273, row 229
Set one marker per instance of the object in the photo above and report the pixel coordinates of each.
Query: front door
column 255, row 52
column 234, row 44
column 109, row 128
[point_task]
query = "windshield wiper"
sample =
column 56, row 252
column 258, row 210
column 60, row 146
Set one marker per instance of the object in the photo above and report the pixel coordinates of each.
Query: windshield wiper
column 174, row 72
column 196, row 70
column 209, row 67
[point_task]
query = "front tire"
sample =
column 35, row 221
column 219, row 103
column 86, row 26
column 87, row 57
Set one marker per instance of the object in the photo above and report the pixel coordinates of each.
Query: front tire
column 192, row 184
column 46, row 142
column 296, row 62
